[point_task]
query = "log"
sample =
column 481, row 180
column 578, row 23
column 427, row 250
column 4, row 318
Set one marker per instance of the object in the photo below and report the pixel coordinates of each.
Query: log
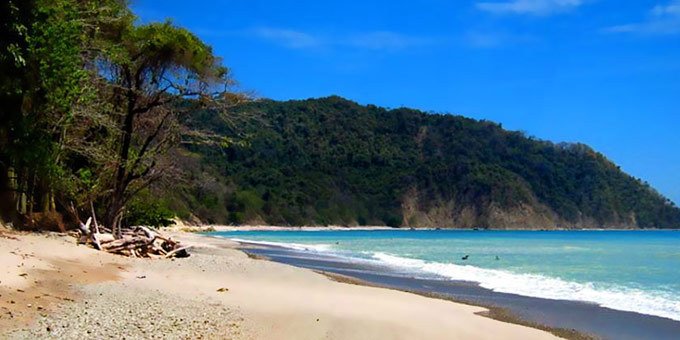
column 105, row 237
column 138, row 242
column 94, row 218
column 94, row 239
column 177, row 251
column 128, row 243
column 148, row 232
column 99, row 239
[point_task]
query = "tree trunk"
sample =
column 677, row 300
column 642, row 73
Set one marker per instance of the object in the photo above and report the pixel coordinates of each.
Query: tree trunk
column 112, row 216
column 114, row 211
column 7, row 200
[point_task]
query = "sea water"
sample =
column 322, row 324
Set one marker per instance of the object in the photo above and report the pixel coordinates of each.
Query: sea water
column 637, row 271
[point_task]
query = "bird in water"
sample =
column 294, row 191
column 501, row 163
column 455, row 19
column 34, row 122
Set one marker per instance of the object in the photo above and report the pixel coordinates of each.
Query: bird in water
column 465, row 257
column 497, row 258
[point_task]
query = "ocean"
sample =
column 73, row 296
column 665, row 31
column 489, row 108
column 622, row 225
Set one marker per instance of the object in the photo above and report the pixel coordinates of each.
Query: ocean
column 633, row 271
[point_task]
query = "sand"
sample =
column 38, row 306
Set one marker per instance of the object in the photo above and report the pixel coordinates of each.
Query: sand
column 217, row 293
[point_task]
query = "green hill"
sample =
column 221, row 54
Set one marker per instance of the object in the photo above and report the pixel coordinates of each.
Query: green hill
column 331, row 161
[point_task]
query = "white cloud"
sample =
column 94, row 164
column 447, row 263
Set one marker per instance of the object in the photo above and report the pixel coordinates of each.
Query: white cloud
column 372, row 40
column 672, row 9
column 662, row 19
column 287, row 37
column 385, row 40
column 530, row 7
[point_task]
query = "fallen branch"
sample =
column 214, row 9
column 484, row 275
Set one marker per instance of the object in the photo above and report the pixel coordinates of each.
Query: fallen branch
column 178, row 251
column 138, row 242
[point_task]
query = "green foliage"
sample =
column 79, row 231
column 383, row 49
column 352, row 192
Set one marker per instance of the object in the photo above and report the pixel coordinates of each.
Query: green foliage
column 331, row 161
column 90, row 105
column 245, row 206
column 147, row 210
column 56, row 48
column 155, row 73
column 165, row 45
column 41, row 80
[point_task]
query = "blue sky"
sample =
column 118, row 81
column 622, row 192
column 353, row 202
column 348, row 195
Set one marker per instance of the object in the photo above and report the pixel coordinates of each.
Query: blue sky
column 602, row 72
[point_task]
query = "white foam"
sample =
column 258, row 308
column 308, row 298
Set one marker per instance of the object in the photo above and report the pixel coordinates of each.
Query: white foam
column 621, row 298
column 655, row 303
column 296, row 246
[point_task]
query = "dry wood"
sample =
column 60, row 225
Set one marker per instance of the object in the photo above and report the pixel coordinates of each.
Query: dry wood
column 178, row 250
column 85, row 228
column 95, row 240
column 94, row 218
column 148, row 232
column 138, row 242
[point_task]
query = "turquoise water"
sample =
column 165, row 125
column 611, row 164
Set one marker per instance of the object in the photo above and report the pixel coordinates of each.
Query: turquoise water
column 625, row 270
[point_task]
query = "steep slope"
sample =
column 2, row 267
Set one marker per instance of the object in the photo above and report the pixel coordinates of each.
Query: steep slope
column 332, row 161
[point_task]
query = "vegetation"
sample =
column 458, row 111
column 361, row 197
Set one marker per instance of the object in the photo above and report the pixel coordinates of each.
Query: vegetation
column 91, row 104
column 331, row 161
column 136, row 123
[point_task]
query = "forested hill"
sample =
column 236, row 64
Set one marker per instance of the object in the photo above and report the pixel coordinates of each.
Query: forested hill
column 332, row 161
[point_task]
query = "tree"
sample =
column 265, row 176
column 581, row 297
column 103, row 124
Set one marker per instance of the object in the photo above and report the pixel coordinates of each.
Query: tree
column 43, row 81
column 153, row 75
column 91, row 103
column 14, row 23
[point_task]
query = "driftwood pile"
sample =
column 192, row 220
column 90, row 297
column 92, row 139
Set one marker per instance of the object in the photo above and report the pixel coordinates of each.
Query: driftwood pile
column 134, row 242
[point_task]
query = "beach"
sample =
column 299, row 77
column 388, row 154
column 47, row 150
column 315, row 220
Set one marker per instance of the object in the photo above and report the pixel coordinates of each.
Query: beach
column 51, row 288
column 566, row 318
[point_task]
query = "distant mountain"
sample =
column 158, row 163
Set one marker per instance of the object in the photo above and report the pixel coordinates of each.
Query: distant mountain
column 332, row 161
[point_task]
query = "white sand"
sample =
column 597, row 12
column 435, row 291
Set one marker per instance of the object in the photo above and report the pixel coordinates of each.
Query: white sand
column 265, row 300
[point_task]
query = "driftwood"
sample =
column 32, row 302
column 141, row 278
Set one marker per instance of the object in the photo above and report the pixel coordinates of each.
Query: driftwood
column 84, row 230
column 137, row 242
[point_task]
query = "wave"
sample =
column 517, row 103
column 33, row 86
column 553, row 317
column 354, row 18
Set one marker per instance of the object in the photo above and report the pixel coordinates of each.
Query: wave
column 295, row 246
column 534, row 285
column 615, row 297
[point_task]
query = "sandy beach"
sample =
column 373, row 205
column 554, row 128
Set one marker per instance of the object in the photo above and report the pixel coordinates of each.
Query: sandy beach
column 51, row 288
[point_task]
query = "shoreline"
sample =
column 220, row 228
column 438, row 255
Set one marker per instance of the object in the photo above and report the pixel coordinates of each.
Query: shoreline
column 574, row 319
column 228, row 295
column 225, row 228
column 493, row 312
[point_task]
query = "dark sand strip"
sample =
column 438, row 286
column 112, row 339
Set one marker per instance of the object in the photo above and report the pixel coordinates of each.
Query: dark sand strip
column 570, row 319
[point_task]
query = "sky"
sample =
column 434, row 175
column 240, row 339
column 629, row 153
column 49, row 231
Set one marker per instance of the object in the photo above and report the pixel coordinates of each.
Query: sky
column 601, row 72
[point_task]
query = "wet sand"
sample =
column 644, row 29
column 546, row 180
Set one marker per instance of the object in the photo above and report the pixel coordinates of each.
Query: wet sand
column 561, row 315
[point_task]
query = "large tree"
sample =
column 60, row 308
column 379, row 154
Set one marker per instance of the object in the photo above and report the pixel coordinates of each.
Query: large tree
column 153, row 74
column 91, row 103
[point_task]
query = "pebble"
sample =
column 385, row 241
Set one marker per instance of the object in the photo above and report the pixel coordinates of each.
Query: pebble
column 115, row 310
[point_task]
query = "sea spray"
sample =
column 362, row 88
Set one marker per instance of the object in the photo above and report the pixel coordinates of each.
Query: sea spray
column 621, row 298
column 630, row 271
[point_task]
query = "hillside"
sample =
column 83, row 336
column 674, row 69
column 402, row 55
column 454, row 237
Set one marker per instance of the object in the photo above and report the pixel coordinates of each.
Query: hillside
column 332, row 161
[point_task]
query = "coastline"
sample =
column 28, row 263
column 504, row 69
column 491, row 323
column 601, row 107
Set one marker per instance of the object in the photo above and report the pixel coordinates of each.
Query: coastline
column 492, row 312
column 224, row 228
column 218, row 292
column 565, row 318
